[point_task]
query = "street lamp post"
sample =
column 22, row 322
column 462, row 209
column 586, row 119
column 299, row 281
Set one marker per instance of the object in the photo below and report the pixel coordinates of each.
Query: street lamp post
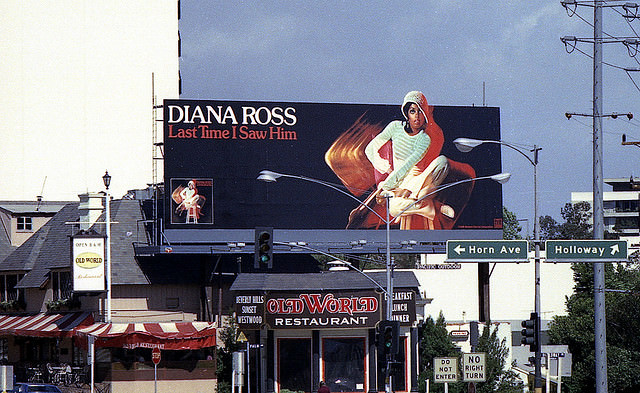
column 270, row 176
column 466, row 145
column 107, row 181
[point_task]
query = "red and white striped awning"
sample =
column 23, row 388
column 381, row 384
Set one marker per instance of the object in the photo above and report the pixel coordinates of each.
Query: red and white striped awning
column 163, row 335
column 44, row 324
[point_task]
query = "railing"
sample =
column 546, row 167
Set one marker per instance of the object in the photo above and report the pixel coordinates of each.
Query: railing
column 34, row 374
column 62, row 375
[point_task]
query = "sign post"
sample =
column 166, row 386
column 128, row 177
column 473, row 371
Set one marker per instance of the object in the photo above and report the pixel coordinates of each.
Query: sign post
column 155, row 356
column 586, row 250
column 487, row 251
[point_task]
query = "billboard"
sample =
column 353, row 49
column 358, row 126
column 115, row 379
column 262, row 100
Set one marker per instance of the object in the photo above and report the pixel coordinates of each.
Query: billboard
column 88, row 263
column 367, row 151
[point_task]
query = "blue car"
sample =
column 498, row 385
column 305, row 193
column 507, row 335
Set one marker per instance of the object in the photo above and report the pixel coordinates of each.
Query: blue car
column 34, row 387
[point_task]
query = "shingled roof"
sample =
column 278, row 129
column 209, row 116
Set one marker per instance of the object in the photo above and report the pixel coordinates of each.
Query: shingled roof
column 40, row 208
column 5, row 242
column 49, row 248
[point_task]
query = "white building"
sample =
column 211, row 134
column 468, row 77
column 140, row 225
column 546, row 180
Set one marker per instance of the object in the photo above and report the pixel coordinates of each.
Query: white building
column 455, row 291
column 620, row 205
column 76, row 93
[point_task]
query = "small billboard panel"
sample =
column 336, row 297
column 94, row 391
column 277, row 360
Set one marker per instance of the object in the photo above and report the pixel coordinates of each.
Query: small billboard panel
column 191, row 201
column 88, row 263
column 363, row 150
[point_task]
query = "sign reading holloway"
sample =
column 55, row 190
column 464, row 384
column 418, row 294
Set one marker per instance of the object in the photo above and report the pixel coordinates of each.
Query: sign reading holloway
column 214, row 151
column 586, row 250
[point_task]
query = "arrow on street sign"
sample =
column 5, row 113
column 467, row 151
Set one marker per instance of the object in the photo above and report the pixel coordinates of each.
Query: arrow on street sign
column 487, row 251
column 586, row 250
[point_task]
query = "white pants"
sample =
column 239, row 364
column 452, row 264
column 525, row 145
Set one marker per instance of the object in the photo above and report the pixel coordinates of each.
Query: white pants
column 420, row 183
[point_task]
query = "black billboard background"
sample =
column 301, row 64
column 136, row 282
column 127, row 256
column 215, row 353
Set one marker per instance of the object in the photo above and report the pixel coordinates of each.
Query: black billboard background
column 242, row 202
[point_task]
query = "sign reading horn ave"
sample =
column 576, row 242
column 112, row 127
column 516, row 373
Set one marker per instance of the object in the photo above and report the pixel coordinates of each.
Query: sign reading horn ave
column 487, row 251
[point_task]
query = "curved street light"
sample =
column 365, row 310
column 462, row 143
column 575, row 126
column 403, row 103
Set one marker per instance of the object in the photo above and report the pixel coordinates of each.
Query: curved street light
column 337, row 261
column 467, row 144
column 271, row 177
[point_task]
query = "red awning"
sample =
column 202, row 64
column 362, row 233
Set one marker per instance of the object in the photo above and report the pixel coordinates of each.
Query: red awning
column 163, row 335
column 44, row 324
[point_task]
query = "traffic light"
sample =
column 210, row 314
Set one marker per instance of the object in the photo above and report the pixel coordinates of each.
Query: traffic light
column 264, row 248
column 388, row 338
column 531, row 332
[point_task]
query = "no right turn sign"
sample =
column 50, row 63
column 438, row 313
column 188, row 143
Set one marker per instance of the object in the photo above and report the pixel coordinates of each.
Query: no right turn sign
column 474, row 367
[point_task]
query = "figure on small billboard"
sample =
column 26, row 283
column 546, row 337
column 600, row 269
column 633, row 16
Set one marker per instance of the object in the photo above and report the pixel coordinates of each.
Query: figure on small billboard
column 191, row 204
column 402, row 158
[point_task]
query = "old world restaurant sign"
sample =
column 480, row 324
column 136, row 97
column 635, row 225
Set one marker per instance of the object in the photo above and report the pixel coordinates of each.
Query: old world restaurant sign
column 320, row 310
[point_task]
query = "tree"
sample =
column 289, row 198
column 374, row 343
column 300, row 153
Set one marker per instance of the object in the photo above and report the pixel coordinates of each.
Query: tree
column 577, row 223
column 510, row 226
column 435, row 342
column 224, row 355
column 499, row 379
column 576, row 329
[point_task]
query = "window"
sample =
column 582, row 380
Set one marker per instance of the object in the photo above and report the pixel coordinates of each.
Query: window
column 4, row 350
column 8, row 291
column 626, row 223
column 25, row 224
column 295, row 364
column 173, row 303
column 344, row 363
column 399, row 379
column 62, row 285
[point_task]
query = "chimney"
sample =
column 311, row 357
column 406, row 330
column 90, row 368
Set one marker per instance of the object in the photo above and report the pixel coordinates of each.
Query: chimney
column 90, row 209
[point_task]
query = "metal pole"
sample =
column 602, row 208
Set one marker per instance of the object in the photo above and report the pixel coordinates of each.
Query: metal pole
column 559, row 380
column 547, row 384
column 92, row 353
column 536, row 238
column 387, row 197
column 108, row 230
column 248, row 366
column 598, row 208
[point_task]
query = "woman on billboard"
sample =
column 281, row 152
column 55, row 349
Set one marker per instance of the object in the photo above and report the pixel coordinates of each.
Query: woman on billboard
column 406, row 163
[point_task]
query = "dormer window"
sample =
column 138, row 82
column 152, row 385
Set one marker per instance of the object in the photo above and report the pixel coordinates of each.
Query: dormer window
column 25, row 224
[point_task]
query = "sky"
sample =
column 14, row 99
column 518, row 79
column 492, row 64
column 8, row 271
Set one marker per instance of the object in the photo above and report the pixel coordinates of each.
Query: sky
column 504, row 53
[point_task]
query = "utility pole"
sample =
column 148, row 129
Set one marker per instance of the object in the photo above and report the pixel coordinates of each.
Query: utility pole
column 598, row 203
column 598, row 208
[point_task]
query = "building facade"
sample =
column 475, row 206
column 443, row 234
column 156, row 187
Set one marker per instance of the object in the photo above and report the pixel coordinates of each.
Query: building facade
column 621, row 213
column 51, row 323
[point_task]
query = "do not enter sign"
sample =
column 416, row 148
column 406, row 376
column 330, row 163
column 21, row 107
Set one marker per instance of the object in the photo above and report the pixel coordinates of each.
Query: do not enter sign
column 155, row 355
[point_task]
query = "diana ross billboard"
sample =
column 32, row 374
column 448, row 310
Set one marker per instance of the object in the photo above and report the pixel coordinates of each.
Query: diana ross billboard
column 367, row 150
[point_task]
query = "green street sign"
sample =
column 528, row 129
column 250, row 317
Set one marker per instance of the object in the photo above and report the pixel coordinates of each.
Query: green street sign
column 586, row 250
column 487, row 251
